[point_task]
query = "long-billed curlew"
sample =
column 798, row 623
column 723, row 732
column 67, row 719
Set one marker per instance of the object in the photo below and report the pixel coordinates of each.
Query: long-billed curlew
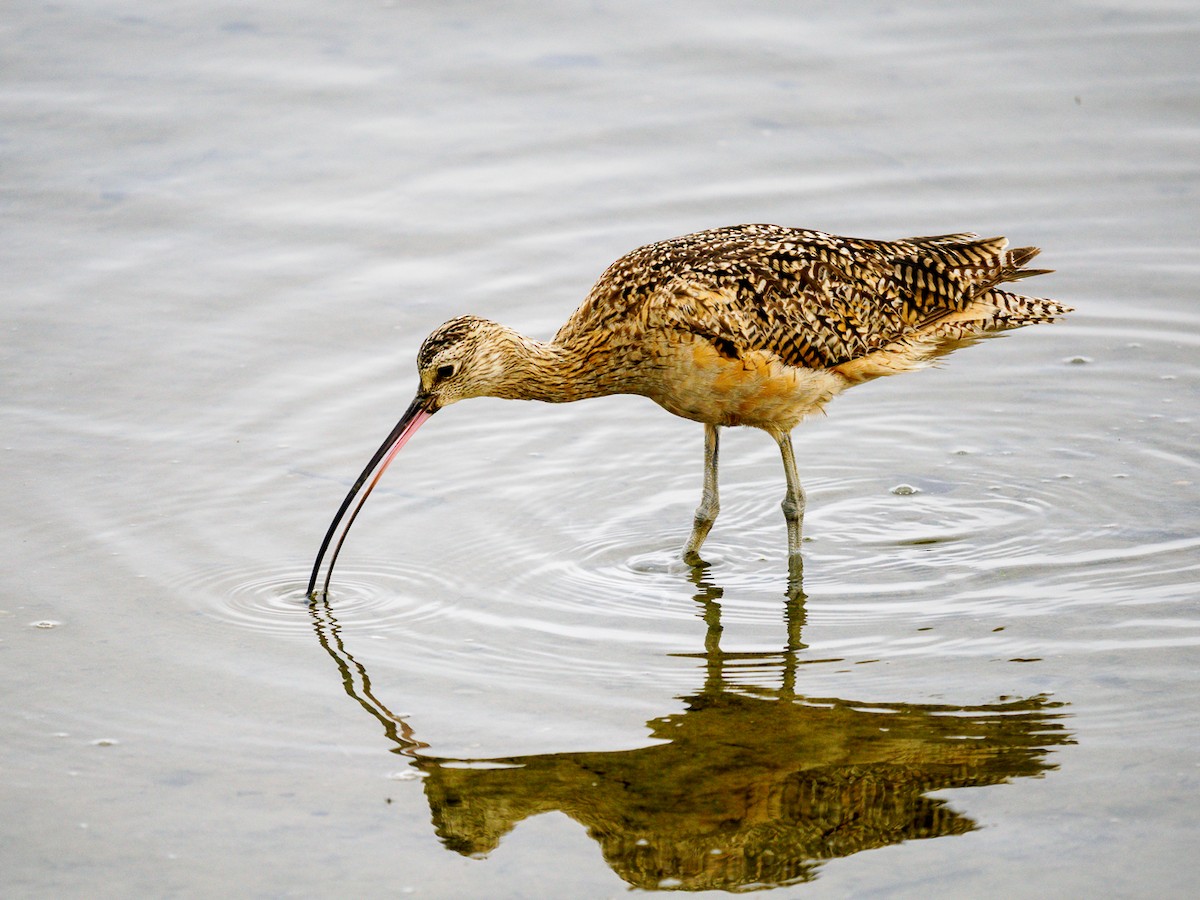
column 748, row 325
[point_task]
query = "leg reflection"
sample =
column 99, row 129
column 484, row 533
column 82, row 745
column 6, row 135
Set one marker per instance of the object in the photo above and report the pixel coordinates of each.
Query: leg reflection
column 722, row 668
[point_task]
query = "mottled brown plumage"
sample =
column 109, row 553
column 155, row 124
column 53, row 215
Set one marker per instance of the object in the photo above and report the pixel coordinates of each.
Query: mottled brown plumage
column 755, row 325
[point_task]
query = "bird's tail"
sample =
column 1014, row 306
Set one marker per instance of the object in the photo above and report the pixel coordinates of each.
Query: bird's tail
column 984, row 265
column 989, row 310
column 1011, row 310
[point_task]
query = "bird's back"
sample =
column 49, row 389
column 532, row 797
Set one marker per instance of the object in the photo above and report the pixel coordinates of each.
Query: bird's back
column 761, row 324
column 816, row 300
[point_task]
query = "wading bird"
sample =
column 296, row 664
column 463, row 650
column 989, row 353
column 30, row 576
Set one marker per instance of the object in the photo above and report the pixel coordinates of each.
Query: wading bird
column 755, row 325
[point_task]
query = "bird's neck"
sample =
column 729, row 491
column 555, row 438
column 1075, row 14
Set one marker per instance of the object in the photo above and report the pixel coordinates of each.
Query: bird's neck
column 555, row 372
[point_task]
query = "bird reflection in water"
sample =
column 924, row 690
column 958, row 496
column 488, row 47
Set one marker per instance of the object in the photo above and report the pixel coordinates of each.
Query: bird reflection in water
column 755, row 786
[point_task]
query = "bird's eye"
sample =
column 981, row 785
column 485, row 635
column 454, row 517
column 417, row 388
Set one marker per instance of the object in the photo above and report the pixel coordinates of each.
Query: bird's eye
column 445, row 372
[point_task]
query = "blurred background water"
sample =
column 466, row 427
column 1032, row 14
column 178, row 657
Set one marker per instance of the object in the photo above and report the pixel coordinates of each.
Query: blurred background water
column 226, row 230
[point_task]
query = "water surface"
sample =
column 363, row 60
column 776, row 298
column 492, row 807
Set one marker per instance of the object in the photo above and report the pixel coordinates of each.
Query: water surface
column 226, row 233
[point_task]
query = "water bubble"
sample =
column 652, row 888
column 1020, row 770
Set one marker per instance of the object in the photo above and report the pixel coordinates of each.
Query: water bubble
column 905, row 490
column 46, row 623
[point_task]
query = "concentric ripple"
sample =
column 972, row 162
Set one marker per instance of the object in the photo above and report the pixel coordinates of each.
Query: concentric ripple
column 377, row 599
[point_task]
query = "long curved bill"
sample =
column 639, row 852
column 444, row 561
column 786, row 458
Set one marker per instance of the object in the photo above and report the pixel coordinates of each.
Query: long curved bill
column 418, row 411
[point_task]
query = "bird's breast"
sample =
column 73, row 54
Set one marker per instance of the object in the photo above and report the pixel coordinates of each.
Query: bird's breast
column 722, row 386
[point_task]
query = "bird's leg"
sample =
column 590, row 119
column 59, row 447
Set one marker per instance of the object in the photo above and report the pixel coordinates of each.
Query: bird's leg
column 710, row 504
column 793, row 506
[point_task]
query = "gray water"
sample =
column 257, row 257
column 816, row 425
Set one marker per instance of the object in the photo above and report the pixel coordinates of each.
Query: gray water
column 226, row 230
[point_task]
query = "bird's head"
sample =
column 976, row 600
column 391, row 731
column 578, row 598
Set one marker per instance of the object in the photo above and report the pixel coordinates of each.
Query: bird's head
column 466, row 357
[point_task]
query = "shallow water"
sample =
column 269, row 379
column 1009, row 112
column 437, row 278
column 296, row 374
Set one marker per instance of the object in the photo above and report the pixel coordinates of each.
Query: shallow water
column 227, row 231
